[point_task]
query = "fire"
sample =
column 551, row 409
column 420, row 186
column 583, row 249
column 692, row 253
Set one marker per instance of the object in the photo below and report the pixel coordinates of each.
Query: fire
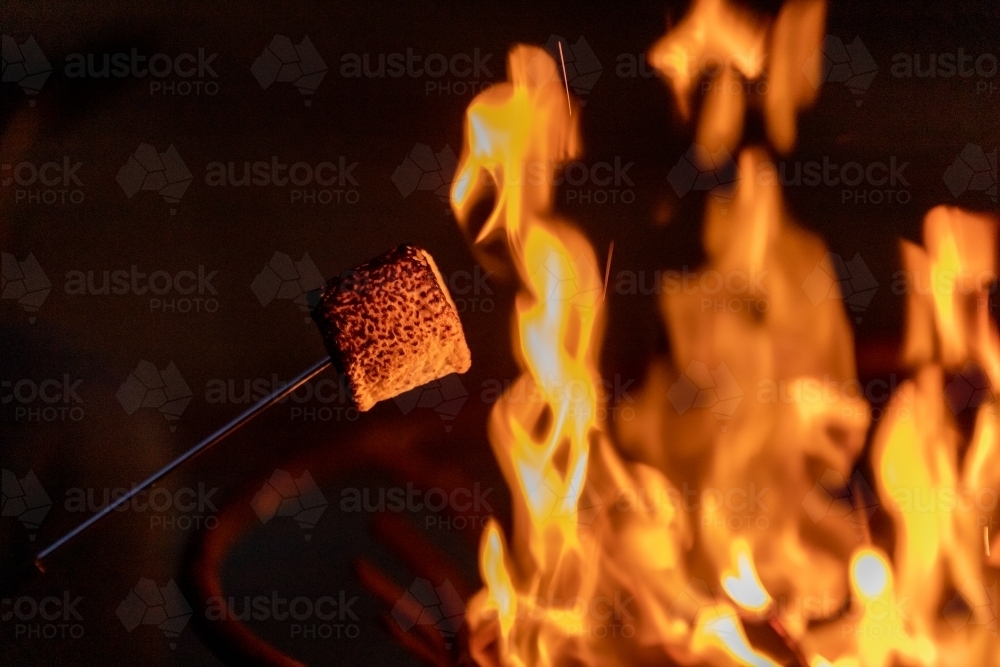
column 921, row 475
column 517, row 135
column 605, row 561
column 744, row 585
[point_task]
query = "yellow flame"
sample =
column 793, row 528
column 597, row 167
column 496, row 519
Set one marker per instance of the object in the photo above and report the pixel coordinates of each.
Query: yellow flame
column 517, row 134
column 719, row 631
column 744, row 586
column 882, row 631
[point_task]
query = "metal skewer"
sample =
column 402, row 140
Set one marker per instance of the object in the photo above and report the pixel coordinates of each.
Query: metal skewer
column 234, row 425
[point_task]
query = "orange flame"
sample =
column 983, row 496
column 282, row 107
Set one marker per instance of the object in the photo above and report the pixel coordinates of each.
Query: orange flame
column 605, row 562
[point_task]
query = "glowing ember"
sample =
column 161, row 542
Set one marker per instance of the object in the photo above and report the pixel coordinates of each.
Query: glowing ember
column 606, row 563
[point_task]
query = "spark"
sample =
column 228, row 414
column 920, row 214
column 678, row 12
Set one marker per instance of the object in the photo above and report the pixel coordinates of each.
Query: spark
column 569, row 104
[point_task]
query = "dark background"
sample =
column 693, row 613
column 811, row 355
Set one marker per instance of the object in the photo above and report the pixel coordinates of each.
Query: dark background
column 235, row 231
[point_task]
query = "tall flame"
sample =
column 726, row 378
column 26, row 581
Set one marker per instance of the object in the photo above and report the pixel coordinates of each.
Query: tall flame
column 517, row 134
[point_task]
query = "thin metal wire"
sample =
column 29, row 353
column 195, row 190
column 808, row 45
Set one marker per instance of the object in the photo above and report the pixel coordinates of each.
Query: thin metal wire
column 202, row 446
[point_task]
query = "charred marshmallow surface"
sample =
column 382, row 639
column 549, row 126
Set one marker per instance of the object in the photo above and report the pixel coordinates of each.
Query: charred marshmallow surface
column 390, row 325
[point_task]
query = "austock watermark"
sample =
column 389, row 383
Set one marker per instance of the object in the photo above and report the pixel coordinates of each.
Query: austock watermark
column 702, row 387
column 975, row 604
column 185, row 508
column 874, row 182
column 25, row 499
column 286, row 279
column 45, row 617
column 164, row 607
column 840, row 61
column 283, row 61
column 959, row 282
column 981, row 68
column 25, row 282
column 604, row 616
column 181, row 292
column 323, row 182
column 321, row 617
column 735, row 291
column 445, row 396
column 330, row 616
column 856, row 502
column 717, row 389
column 284, row 495
column 471, row 290
column 735, row 508
column 183, row 74
column 848, row 280
column 852, row 398
column 470, row 506
column 974, row 170
column 980, row 502
column 579, row 62
column 425, row 169
column 326, row 182
column 50, row 182
column 850, row 500
column 25, row 65
column 599, row 182
column 166, row 390
column 45, row 400
column 322, row 400
column 459, row 74
column 577, row 182
column 835, row 61
column 425, row 604
column 600, row 399
column 164, row 173
column 883, row 615
column 970, row 389
column 148, row 387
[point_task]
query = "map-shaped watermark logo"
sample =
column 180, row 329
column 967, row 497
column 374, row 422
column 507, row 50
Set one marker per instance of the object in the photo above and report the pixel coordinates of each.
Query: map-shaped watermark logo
column 164, row 173
column 149, row 604
column 283, row 278
column 445, row 396
column 970, row 388
column 164, row 390
column 832, row 495
column 701, row 170
column 975, row 604
column 24, row 65
column 560, row 279
column 577, row 501
column 583, row 69
column 696, row 596
column 24, row 282
column 974, row 170
column 284, row 62
column 701, row 387
column 424, row 170
column 425, row 604
column 296, row 497
column 25, row 499
column 852, row 281
column 850, row 64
